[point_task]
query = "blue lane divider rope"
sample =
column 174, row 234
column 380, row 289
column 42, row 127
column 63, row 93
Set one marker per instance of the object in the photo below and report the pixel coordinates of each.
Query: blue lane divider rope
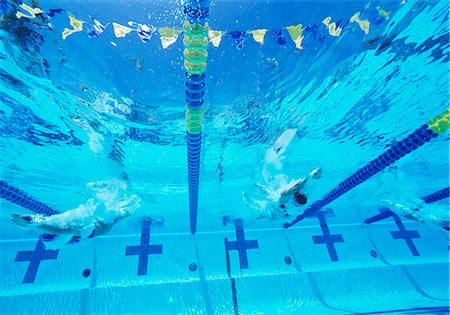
column 397, row 151
column 20, row 198
column 35, row 257
column 378, row 217
column 327, row 238
column 144, row 249
column 194, row 151
column 241, row 245
column 195, row 54
column 438, row 195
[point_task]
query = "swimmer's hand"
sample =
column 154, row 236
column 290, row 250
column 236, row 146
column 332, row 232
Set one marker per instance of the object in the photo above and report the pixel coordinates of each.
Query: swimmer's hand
column 316, row 173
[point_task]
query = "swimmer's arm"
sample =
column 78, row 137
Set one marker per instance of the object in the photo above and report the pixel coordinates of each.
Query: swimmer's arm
column 103, row 228
column 56, row 230
column 297, row 187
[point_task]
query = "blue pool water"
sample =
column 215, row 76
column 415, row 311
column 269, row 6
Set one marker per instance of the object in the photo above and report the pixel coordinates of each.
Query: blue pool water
column 93, row 125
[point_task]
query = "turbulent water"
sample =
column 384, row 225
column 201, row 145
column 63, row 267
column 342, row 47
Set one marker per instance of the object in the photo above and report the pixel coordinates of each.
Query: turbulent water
column 83, row 110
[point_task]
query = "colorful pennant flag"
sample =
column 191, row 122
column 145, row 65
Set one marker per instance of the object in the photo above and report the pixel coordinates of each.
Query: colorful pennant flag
column 76, row 24
column 279, row 37
column 372, row 16
column 121, row 30
column 168, row 36
column 317, row 32
column 258, row 35
column 296, row 33
column 96, row 29
column 363, row 24
column 52, row 12
column 332, row 29
column 32, row 11
column 145, row 32
column 238, row 38
column 383, row 12
column 215, row 37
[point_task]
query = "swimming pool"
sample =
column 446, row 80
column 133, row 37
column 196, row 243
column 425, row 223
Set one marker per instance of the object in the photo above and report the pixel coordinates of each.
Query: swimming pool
column 100, row 102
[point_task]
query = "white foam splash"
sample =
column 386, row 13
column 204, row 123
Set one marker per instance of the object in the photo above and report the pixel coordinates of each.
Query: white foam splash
column 111, row 201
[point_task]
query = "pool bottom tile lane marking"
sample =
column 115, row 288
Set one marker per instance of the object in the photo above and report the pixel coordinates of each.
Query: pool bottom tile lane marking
column 241, row 245
column 233, row 281
column 402, row 233
column 204, row 287
column 35, row 257
column 327, row 238
column 383, row 215
column 311, row 279
column 405, row 234
column 144, row 249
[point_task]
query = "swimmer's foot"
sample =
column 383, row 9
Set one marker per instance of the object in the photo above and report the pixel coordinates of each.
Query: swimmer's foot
column 22, row 219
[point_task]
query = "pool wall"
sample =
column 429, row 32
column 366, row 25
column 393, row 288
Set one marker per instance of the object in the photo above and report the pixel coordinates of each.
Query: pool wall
column 316, row 267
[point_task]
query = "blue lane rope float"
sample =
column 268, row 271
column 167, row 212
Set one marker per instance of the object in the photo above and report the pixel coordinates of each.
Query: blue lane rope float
column 438, row 195
column 195, row 53
column 20, row 198
column 424, row 134
column 386, row 213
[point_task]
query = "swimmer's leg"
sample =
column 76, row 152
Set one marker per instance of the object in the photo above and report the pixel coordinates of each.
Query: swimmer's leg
column 52, row 238
column 32, row 222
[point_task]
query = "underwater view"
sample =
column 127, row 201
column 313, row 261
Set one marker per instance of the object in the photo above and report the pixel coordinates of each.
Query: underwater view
column 224, row 157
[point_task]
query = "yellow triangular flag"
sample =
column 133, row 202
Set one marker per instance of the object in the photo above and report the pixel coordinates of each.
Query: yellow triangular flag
column 326, row 21
column 383, row 12
column 332, row 29
column 32, row 11
column 215, row 37
column 120, row 30
column 296, row 31
column 75, row 23
column 363, row 24
column 168, row 36
column 258, row 35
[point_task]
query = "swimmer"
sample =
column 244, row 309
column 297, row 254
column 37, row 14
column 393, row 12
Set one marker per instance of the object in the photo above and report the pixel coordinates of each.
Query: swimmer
column 271, row 197
column 94, row 218
column 294, row 189
column 273, row 204
column 398, row 193
column 47, row 225
column 434, row 215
